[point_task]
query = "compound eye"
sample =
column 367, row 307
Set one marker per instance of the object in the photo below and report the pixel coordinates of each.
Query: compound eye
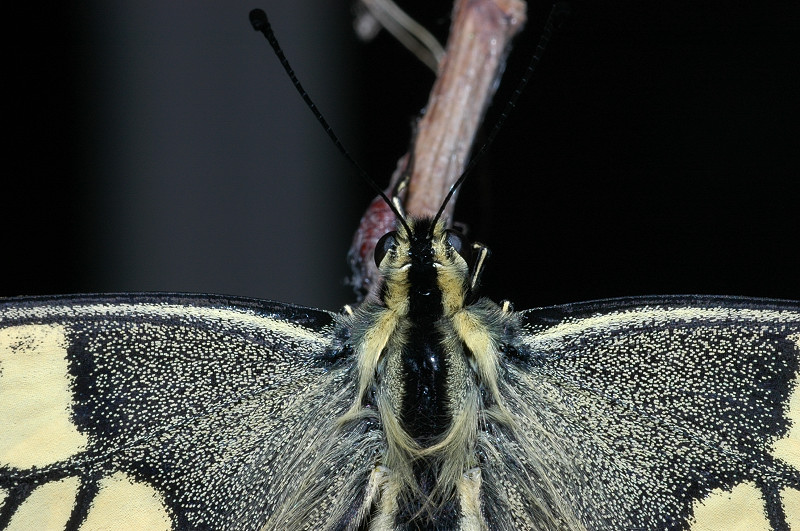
column 387, row 242
column 459, row 243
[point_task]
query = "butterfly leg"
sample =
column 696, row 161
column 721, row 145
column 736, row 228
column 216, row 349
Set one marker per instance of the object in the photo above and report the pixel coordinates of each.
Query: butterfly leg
column 469, row 490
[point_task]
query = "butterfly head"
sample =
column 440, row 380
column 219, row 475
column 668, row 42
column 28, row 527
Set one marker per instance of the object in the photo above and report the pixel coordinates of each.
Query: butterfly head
column 424, row 262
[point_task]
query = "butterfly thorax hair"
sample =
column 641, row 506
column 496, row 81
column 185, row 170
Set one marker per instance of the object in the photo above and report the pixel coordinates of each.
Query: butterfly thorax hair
column 427, row 362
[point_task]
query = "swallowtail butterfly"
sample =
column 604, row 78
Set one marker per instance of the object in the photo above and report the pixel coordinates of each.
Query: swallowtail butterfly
column 425, row 408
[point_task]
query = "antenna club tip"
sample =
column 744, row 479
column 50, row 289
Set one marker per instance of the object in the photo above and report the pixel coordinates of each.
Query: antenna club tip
column 259, row 20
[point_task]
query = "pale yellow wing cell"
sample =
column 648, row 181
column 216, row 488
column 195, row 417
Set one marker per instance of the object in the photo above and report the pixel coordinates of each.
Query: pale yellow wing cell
column 740, row 509
column 788, row 448
column 34, row 377
column 123, row 503
column 48, row 506
column 791, row 504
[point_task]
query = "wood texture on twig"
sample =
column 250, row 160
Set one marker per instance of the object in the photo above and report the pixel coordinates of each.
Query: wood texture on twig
column 476, row 48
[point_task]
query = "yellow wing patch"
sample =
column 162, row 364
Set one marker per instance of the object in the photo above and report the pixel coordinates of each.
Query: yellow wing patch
column 123, row 503
column 788, row 448
column 791, row 505
column 741, row 509
column 35, row 393
column 48, row 506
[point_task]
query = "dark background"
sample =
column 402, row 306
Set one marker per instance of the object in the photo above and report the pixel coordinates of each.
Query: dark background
column 160, row 147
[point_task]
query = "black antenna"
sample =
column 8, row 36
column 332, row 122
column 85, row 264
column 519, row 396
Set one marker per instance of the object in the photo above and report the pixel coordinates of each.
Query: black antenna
column 560, row 10
column 260, row 22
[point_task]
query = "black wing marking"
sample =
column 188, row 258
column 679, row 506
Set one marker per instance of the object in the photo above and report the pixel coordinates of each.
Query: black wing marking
column 652, row 404
column 204, row 399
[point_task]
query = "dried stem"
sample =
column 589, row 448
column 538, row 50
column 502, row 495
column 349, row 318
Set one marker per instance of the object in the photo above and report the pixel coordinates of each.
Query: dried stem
column 476, row 48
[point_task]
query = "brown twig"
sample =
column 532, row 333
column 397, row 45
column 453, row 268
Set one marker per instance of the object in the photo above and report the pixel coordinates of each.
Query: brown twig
column 478, row 43
column 477, row 46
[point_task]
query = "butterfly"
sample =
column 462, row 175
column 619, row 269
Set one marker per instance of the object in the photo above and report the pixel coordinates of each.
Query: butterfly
column 189, row 411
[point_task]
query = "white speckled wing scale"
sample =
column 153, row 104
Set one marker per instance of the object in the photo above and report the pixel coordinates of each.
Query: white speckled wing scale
column 155, row 411
column 666, row 412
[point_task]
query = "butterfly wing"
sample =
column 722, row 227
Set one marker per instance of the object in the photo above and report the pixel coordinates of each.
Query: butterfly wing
column 661, row 412
column 162, row 411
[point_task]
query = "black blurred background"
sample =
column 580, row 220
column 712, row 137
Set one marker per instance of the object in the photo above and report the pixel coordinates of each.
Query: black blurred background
column 157, row 147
